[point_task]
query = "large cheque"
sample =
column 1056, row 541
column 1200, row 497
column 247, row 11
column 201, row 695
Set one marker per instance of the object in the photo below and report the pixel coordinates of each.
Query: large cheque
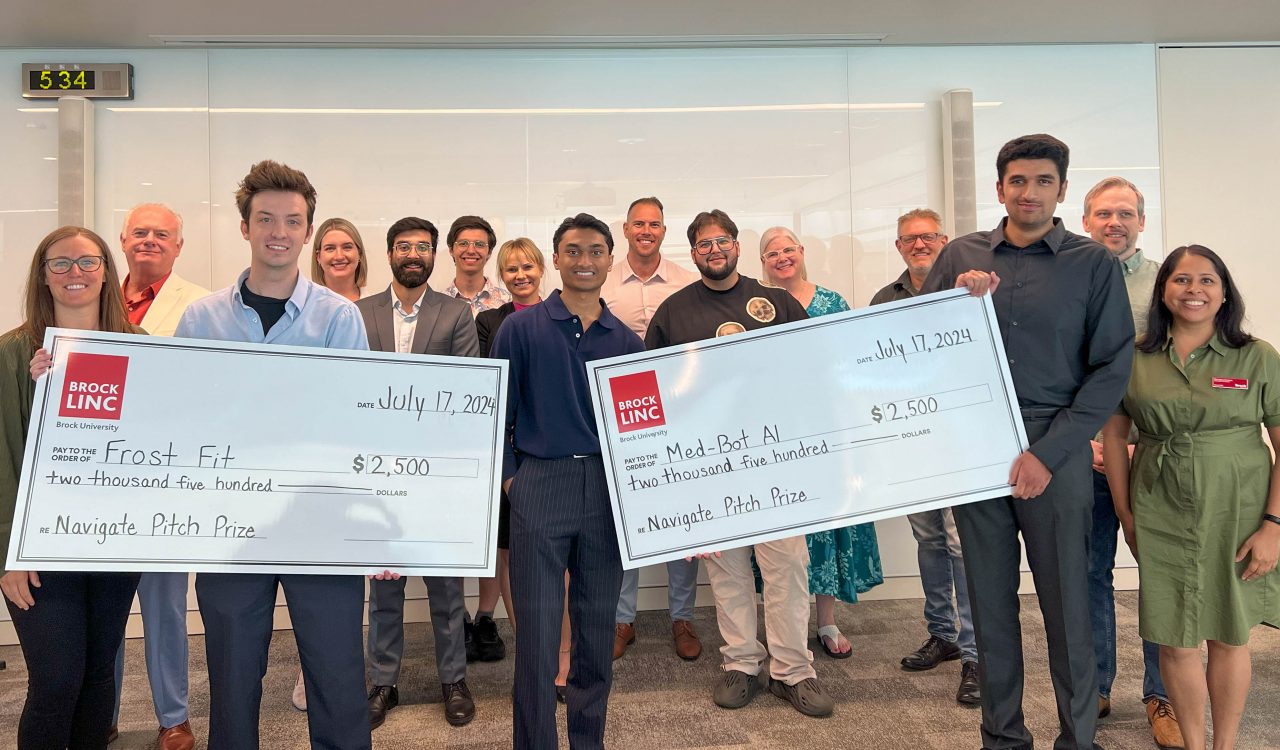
column 815, row 425
column 153, row 454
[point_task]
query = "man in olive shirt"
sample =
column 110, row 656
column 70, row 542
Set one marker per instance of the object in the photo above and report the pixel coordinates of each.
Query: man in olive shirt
column 1063, row 313
column 1115, row 215
column 722, row 303
column 950, row 621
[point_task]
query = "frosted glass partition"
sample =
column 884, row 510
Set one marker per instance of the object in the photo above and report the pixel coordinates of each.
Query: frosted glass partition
column 835, row 143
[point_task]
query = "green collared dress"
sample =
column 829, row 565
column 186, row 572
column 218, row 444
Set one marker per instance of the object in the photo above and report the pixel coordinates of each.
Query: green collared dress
column 1199, row 483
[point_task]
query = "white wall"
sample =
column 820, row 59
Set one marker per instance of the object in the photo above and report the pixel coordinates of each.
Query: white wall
column 833, row 142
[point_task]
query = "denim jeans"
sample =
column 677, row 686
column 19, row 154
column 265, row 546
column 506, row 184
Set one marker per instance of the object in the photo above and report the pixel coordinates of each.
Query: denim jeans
column 1102, row 602
column 941, row 569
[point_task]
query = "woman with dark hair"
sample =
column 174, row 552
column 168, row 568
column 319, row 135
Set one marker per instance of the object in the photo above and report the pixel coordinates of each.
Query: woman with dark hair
column 1200, row 506
column 69, row 624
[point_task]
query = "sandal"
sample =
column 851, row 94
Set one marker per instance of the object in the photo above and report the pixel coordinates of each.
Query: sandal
column 832, row 632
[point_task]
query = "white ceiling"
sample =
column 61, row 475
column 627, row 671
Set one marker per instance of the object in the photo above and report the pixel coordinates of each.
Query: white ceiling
column 390, row 23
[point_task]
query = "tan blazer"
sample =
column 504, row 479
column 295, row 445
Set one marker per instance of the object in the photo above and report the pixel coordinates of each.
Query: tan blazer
column 167, row 308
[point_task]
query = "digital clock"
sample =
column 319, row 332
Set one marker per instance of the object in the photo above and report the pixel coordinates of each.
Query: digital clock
column 92, row 81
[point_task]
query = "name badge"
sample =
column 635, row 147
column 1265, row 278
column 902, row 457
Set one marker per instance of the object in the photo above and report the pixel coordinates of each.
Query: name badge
column 1235, row 384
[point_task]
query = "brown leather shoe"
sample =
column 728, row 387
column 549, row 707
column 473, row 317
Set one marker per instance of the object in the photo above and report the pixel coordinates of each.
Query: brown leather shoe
column 624, row 634
column 177, row 738
column 1164, row 725
column 688, row 647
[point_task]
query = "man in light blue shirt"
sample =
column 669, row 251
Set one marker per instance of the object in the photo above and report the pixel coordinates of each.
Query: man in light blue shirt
column 272, row 303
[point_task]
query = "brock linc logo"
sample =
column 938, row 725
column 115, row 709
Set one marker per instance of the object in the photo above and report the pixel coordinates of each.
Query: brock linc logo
column 94, row 386
column 637, row 403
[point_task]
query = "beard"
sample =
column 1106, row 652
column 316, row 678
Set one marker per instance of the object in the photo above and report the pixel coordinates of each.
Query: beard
column 731, row 265
column 410, row 273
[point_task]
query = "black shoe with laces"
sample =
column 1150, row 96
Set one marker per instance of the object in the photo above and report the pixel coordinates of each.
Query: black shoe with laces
column 382, row 699
column 969, row 694
column 932, row 653
column 488, row 644
column 459, row 708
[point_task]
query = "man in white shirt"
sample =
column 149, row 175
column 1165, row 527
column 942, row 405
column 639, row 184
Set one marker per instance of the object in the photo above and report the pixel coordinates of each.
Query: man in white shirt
column 637, row 284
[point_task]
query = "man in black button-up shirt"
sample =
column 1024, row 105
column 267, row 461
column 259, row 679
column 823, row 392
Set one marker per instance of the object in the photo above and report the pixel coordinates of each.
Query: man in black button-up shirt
column 1064, row 316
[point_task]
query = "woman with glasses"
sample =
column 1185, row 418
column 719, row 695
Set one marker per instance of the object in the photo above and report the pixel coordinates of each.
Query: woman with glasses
column 69, row 624
column 337, row 258
column 842, row 562
column 1200, row 506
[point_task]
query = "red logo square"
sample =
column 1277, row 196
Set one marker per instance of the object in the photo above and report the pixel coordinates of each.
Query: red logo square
column 637, row 403
column 94, row 386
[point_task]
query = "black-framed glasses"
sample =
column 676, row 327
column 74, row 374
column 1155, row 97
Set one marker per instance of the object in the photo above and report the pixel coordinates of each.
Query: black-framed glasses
column 404, row 248
column 87, row 263
column 704, row 247
column 928, row 237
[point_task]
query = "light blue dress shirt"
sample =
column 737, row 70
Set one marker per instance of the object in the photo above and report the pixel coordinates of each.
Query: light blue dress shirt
column 313, row 316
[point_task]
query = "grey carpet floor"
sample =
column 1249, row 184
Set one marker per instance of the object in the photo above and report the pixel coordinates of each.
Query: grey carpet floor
column 659, row 701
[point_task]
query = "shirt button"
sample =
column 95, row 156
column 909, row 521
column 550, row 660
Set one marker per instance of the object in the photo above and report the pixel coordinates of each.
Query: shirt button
column 1015, row 322
column 1011, row 360
column 1019, row 284
column 577, row 335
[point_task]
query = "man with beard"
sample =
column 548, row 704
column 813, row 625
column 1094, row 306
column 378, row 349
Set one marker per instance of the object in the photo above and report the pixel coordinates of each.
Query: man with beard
column 638, row 283
column 724, row 302
column 410, row 317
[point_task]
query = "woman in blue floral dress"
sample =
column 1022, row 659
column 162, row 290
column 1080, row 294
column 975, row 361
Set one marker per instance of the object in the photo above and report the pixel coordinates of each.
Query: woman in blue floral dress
column 843, row 562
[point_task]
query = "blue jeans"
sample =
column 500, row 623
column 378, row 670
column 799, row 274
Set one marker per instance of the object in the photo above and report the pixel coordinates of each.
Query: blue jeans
column 941, row 569
column 163, row 600
column 682, row 588
column 1102, row 602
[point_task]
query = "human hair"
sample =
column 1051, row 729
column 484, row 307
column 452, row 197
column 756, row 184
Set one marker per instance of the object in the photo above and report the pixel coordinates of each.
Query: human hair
column 773, row 233
column 1228, row 323
column 128, row 217
column 650, row 200
column 921, row 213
column 349, row 229
column 38, row 307
column 1038, row 146
column 412, row 224
column 714, row 217
column 463, row 223
column 521, row 245
column 581, row 221
column 1114, row 182
column 270, row 175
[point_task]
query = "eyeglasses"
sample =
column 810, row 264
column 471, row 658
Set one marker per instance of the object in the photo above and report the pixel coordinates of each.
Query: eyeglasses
column 87, row 263
column 404, row 248
column 773, row 255
column 477, row 244
column 704, row 247
column 928, row 237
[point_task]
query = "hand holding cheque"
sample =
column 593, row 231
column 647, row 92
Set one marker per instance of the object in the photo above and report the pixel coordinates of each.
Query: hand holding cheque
column 838, row 420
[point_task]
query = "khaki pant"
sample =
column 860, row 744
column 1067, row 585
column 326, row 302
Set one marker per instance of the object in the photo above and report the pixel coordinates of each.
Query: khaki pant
column 784, row 567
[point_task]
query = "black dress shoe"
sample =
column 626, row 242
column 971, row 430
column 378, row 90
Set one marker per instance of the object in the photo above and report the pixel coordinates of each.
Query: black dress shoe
column 459, row 709
column 969, row 694
column 382, row 699
column 931, row 654
column 489, row 645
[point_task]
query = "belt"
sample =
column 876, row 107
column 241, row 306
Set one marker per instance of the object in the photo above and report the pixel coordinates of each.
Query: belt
column 1226, row 442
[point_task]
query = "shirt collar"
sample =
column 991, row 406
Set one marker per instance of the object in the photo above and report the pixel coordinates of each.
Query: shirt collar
column 556, row 309
column 486, row 291
column 1215, row 343
column 417, row 305
column 1053, row 240
column 294, row 305
column 628, row 273
column 903, row 283
column 1132, row 263
column 148, row 292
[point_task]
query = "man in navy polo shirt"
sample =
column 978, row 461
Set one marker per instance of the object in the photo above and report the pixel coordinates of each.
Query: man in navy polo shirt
column 560, row 513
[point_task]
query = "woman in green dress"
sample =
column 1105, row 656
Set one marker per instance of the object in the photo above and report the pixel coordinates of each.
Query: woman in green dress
column 842, row 562
column 1200, row 506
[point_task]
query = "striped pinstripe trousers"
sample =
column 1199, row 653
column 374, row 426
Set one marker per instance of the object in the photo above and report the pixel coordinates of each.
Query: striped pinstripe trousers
column 561, row 520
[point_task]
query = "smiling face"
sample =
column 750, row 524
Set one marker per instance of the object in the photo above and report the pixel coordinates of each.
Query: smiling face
column 1113, row 221
column 718, row 263
column 782, row 259
column 919, row 251
column 583, row 260
column 277, row 229
column 411, row 270
column 338, row 255
column 1194, row 292
column 644, row 230
column 470, row 251
column 76, row 289
column 522, row 277
column 1030, row 192
column 152, row 241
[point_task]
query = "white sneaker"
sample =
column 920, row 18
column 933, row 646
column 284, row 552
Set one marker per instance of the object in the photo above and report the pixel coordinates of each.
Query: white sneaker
column 300, row 693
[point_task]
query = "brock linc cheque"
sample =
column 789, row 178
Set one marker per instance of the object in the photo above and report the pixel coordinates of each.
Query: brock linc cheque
column 843, row 419
column 160, row 454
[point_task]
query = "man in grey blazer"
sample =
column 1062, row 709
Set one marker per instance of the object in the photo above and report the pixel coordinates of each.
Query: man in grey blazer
column 410, row 317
